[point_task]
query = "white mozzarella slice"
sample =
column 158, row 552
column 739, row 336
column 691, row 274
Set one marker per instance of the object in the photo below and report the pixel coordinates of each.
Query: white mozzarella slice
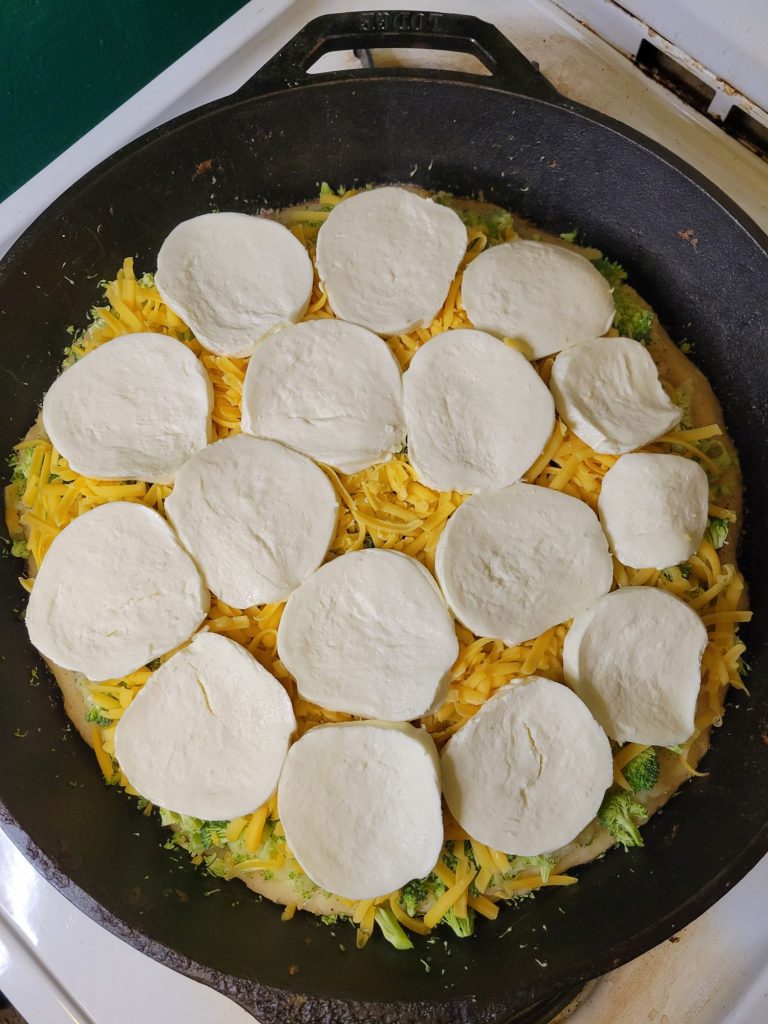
column 369, row 633
column 634, row 658
column 327, row 388
column 232, row 277
column 478, row 414
column 544, row 295
column 208, row 732
column 135, row 408
column 654, row 509
column 115, row 590
column 608, row 392
column 516, row 561
column 529, row 771
column 257, row 518
column 387, row 258
column 360, row 805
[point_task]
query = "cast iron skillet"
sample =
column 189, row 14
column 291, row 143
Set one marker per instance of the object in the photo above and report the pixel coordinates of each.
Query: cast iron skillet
column 696, row 257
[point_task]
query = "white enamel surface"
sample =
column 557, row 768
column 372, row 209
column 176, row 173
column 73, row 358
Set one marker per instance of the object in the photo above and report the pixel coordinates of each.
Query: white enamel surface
column 208, row 732
column 715, row 972
column 135, row 408
column 329, row 389
column 654, row 509
column 369, row 633
column 516, row 561
column 544, row 295
column 387, row 258
column 256, row 516
column 115, row 590
column 478, row 414
column 634, row 658
column 608, row 392
column 232, row 278
column 529, row 771
column 360, row 805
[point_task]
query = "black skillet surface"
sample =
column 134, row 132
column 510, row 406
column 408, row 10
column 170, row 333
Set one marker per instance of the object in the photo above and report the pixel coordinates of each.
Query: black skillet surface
column 695, row 256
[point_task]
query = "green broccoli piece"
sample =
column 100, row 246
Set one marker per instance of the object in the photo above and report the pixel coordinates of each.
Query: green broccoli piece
column 717, row 531
column 496, row 225
column 19, row 549
column 461, row 926
column 211, row 830
column 391, row 928
column 449, row 858
column 542, row 862
column 413, row 895
column 215, row 865
column 617, row 814
column 613, row 273
column 632, row 320
column 21, row 462
column 642, row 772
column 330, row 919
column 570, row 236
column 167, row 817
column 95, row 716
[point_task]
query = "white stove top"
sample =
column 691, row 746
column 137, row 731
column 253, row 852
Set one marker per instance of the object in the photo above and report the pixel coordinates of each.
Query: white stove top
column 58, row 966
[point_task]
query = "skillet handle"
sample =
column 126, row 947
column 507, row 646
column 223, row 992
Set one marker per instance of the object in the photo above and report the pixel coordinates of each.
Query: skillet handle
column 364, row 30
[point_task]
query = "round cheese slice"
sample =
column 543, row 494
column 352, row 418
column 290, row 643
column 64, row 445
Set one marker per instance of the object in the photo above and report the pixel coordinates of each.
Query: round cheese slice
column 478, row 414
column 514, row 562
column 654, row 509
column 543, row 295
column 634, row 658
column 608, row 392
column 529, row 771
column 232, row 277
column 208, row 732
column 115, row 590
column 360, row 805
column 257, row 518
column 369, row 633
column 135, row 408
column 387, row 258
column 327, row 388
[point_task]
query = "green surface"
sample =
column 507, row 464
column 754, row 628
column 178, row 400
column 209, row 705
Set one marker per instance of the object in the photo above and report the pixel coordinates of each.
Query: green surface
column 66, row 64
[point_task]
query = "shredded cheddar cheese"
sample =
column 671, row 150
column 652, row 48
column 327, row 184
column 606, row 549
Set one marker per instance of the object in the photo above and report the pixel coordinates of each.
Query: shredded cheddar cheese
column 388, row 507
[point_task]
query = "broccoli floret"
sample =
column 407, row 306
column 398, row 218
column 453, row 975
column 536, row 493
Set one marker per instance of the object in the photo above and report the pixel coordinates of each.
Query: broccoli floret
column 19, row 549
column 461, row 926
column 542, row 862
column 391, row 929
column 496, row 225
column 632, row 320
column 717, row 531
column 94, row 716
column 617, row 814
column 167, row 817
column 330, row 919
column 413, row 895
column 215, row 865
column 642, row 772
column 613, row 273
column 570, row 236
column 449, row 858
column 20, row 463
column 214, row 830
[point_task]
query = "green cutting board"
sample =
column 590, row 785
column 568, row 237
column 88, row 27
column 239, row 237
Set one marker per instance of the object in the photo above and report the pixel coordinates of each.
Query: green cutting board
column 66, row 64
